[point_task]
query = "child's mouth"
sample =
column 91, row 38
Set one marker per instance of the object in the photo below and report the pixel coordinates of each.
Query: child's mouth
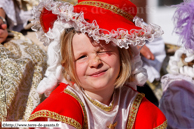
column 99, row 73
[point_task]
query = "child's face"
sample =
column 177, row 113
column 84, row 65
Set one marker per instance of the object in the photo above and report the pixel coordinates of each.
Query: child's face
column 97, row 65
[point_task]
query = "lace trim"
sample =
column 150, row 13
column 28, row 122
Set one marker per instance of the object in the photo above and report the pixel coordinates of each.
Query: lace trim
column 66, row 17
column 134, row 110
column 176, row 66
column 162, row 126
column 85, row 126
column 110, row 7
column 56, row 116
column 105, row 108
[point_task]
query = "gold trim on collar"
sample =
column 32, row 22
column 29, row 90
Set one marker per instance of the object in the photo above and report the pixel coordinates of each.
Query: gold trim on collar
column 105, row 108
column 134, row 110
column 110, row 7
column 56, row 116
column 85, row 126
column 162, row 126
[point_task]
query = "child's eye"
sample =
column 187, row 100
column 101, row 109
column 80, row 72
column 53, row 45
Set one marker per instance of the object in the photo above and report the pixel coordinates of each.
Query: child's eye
column 103, row 52
column 81, row 57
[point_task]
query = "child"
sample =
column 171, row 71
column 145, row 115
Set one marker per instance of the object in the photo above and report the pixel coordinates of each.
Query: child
column 178, row 86
column 92, row 54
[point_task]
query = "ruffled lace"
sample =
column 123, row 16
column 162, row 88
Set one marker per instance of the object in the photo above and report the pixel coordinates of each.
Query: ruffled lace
column 176, row 66
column 138, row 73
column 121, row 37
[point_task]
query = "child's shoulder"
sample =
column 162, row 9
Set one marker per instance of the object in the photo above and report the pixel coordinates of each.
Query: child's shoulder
column 149, row 116
column 59, row 106
column 146, row 114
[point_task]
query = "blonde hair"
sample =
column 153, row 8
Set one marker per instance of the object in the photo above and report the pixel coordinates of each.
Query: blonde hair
column 125, row 67
column 67, row 56
column 69, row 66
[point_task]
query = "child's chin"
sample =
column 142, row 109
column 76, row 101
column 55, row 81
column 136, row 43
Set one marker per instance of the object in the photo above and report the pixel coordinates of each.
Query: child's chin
column 101, row 86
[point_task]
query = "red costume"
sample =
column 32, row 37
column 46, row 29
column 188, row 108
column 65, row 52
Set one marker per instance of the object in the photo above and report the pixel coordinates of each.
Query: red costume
column 113, row 22
column 62, row 105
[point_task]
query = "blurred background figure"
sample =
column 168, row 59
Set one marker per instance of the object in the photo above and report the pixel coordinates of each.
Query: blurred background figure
column 177, row 102
column 22, row 62
column 16, row 15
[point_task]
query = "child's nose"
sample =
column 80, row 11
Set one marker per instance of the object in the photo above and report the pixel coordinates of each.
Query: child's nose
column 95, row 62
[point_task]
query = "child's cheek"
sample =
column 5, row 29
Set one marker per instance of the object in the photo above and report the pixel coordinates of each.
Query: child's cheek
column 111, row 59
column 106, row 56
column 81, row 67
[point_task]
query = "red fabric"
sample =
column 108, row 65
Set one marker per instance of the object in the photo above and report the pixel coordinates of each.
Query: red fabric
column 47, row 19
column 125, row 5
column 106, row 19
column 61, row 103
column 148, row 116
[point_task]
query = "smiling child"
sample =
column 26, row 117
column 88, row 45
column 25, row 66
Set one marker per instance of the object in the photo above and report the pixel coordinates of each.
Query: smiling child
column 94, row 66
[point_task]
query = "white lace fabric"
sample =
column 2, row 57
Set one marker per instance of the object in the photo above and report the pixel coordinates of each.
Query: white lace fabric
column 176, row 66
